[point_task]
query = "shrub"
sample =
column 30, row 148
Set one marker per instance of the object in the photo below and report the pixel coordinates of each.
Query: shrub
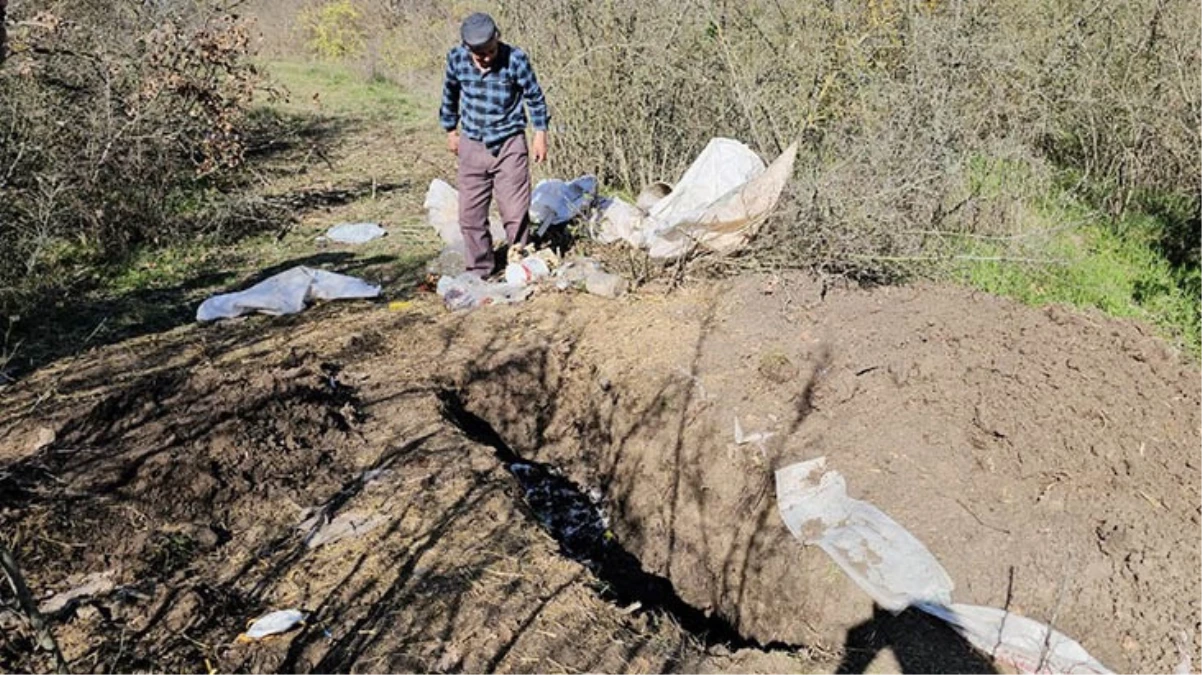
column 110, row 113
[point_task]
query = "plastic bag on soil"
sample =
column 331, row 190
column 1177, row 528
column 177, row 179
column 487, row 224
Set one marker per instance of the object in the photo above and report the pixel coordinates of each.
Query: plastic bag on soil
column 555, row 202
column 1027, row 645
column 881, row 556
column 468, row 291
column 355, row 233
column 587, row 274
column 274, row 623
column 897, row 571
column 286, row 293
column 719, row 203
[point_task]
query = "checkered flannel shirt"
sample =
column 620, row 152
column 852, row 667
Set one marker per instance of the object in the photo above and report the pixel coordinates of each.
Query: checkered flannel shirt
column 489, row 105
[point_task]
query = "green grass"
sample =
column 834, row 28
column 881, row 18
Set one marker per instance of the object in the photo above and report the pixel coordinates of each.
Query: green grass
column 336, row 89
column 1112, row 266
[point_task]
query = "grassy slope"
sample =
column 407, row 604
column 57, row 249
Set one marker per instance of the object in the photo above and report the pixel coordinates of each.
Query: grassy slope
column 336, row 131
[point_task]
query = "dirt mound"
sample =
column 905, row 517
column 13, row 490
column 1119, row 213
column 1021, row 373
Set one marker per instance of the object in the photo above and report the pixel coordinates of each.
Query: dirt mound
column 557, row 486
column 1048, row 459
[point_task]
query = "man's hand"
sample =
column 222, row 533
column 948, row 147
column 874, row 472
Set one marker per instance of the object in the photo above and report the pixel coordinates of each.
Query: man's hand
column 538, row 149
column 453, row 141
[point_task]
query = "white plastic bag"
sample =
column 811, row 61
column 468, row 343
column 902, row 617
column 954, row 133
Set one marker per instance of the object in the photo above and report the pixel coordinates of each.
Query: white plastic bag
column 285, row 293
column 442, row 212
column 897, row 571
column 355, row 233
column 882, row 557
column 273, row 623
column 720, row 203
column 1028, row 645
column 555, row 202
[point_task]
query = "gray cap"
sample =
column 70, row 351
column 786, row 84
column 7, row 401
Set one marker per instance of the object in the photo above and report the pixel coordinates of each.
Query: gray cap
column 477, row 30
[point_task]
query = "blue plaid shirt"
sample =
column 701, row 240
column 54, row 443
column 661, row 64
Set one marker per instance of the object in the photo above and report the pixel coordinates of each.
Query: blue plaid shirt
column 489, row 104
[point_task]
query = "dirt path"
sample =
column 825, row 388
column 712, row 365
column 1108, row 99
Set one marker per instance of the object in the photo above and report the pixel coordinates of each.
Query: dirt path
column 1040, row 454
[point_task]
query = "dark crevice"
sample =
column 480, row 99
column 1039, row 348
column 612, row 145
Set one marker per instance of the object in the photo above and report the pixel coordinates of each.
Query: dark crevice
column 575, row 519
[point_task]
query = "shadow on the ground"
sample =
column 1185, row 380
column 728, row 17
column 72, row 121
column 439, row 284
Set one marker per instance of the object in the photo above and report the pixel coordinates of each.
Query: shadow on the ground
column 919, row 642
column 71, row 313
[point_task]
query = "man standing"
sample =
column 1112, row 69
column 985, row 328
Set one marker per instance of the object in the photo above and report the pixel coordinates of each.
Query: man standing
column 485, row 84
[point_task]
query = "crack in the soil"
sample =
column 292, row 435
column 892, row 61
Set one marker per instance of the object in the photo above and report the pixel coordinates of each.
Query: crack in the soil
column 577, row 522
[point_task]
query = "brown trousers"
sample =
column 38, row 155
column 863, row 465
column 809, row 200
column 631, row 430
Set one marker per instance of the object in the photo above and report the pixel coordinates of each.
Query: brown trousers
column 480, row 176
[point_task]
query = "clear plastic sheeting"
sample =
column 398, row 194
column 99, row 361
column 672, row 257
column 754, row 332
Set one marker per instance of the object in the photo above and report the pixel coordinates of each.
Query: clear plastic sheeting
column 1028, row 645
column 355, row 233
column 882, row 557
column 555, row 202
column 286, row 293
column 897, row 571
column 719, row 203
column 468, row 291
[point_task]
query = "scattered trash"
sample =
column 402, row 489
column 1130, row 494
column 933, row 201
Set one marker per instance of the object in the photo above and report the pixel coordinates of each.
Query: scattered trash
column 1028, row 645
column 279, row 621
column 468, row 291
column 555, row 202
column 897, row 571
column 400, row 305
column 720, row 203
column 286, row 293
column 757, row 437
column 96, row 583
column 881, row 556
column 442, row 212
column 1184, row 666
column 345, row 526
column 652, row 194
column 526, row 271
column 355, row 233
column 587, row 274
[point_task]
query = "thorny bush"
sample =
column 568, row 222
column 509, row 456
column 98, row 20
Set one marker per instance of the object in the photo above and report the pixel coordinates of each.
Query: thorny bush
column 113, row 118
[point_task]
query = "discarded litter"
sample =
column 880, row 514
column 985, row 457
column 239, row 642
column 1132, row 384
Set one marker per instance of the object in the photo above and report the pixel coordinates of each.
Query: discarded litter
column 757, row 437
column 467, row 291
column 355, row 233
column 719, row 203
column 1028, row 645
column 442, row 213
column 526, row 271
column 881, row 556
column 318, row 532
column 96, row 583
column 555, row 202
column 587, row 274
column 286, row 293
column 274, row 623
column 897, row 571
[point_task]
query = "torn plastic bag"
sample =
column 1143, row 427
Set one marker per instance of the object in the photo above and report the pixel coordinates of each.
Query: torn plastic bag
column 355, row 233
column 897, row 571
column 1028, row 645
column 882, row 557
column 720, row 203
column 729, row 222
column 286, row 293
column 619, row 220
column 442, row 212
column 468, row 291
column 555, row 202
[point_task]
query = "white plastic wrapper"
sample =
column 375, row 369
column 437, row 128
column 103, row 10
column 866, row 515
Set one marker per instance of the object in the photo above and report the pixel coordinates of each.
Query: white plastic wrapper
column 897, row 571
column 286, row 293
